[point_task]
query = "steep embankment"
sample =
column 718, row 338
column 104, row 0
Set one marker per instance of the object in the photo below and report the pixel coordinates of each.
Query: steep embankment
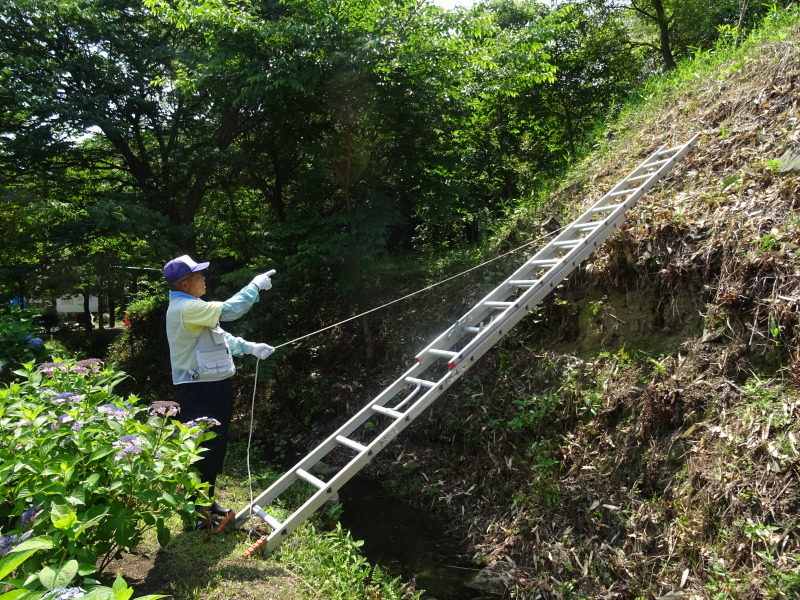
column 639, row 437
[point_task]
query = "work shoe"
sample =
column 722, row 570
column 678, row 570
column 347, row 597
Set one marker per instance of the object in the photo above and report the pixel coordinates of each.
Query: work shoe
column 220, row 511
column 198, row 523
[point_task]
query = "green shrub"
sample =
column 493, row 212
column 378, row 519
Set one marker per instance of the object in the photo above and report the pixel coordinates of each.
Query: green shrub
column 54, row 581
column 18, row 341
column 142, row 350
column 89, row 471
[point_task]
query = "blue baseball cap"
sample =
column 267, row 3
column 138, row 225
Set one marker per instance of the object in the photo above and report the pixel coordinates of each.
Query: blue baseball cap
column 181, row 267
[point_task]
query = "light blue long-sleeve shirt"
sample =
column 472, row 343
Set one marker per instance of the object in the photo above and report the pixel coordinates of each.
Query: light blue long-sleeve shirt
column 198, row 313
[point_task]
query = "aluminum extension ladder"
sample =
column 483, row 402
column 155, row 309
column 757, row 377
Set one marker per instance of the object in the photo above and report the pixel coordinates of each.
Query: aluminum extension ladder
column 448, row 357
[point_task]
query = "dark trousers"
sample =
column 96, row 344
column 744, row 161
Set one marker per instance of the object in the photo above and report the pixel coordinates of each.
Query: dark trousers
column 209, row 399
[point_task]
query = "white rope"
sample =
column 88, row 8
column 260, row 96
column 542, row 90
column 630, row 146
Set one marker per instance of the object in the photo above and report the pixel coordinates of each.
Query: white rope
column 425, row 289
column 258, row 360
column 250, row 435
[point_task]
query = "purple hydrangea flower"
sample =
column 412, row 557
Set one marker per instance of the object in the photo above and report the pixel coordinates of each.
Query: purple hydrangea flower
column 67, row 397
column 128, row 451
column 61, row 421
column 7, row 542
column 30, row 514
column 127, row 440
column 51, row 368
column 64, row 593
column 115, row 412
column 79, row 370
column 92, row 364
column 164, row 408
column 200, row 421
column 33, row 342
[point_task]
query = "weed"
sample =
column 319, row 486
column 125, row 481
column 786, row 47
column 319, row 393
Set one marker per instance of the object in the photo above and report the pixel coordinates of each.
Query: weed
column 333, row 567
column 590, row 404
column 767, row 242
column 533, row 411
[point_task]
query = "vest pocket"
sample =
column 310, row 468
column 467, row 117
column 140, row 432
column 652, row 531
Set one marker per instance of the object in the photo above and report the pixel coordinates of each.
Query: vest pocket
column 214, row 362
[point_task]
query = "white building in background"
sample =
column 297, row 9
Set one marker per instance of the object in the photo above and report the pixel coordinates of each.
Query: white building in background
column 74, row 304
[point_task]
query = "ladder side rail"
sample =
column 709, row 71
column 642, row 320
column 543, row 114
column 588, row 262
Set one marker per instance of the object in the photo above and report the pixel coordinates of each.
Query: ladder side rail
column 478, row 313
column 577, row 255
column 321, row 450
column 553, row 277
column 354, row 466
column 481, row 343
column 621, row 185
column 638, row 174
column 568, row 234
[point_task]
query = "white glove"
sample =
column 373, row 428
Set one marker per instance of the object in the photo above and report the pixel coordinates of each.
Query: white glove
column 262, row 351
column 262, row 281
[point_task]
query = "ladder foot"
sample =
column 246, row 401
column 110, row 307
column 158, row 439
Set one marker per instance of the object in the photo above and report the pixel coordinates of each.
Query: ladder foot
column 225, row 521
column 255, row 547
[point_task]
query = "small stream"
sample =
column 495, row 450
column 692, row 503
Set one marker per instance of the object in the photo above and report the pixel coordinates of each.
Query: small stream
column 407, row 542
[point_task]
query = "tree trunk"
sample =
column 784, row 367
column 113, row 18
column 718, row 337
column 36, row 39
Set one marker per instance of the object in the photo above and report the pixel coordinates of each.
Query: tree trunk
column 87, row 313
column 112, row 308
column 663, row 28
column 101, row 308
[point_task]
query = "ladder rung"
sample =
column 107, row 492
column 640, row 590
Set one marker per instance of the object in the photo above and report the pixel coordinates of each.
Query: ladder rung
column 524, row 282
column 548, row 262
column 492, row 304
column 445, row 353
column 670, row 151
column 606, row 208
column 647, row 176
column 387, row 411
column 472, row 329
column 586, row 226
column 346, row 441
column 567, row 244
column 422, row 382
column 266, row 517
column 621, row 193
column 311, row 479
column 657, row 162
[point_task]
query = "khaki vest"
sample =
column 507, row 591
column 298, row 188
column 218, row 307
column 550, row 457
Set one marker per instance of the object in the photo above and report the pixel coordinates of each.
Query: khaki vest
column 201, row 357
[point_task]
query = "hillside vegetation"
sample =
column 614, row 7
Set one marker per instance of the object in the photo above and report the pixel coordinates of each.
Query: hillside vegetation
column 638, row 437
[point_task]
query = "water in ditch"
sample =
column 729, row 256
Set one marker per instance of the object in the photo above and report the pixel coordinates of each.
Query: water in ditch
column 407, row 542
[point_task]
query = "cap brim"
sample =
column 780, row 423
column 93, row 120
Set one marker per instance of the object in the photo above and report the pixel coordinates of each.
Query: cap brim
column 200, row 267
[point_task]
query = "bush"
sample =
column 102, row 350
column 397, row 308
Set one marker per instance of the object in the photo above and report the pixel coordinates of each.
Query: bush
column 142, row 350
column 88, row 471
column 18, row 341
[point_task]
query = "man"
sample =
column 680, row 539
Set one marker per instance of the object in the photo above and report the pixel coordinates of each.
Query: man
column 202, row 353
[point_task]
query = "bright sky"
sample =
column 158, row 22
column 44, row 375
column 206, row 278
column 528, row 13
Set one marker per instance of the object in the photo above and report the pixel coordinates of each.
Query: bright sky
column 448, row 4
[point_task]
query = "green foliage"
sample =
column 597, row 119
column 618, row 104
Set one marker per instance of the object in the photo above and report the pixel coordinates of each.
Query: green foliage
column 51, row 583
column 87, row 470
column 18, row 341
column 534, row 413
column 142, row 349
column 335, row 569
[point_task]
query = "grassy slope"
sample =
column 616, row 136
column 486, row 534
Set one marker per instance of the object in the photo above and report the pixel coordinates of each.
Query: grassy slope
column 640, row 438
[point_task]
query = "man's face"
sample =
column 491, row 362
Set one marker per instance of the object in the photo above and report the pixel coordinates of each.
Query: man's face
column 195, row 284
